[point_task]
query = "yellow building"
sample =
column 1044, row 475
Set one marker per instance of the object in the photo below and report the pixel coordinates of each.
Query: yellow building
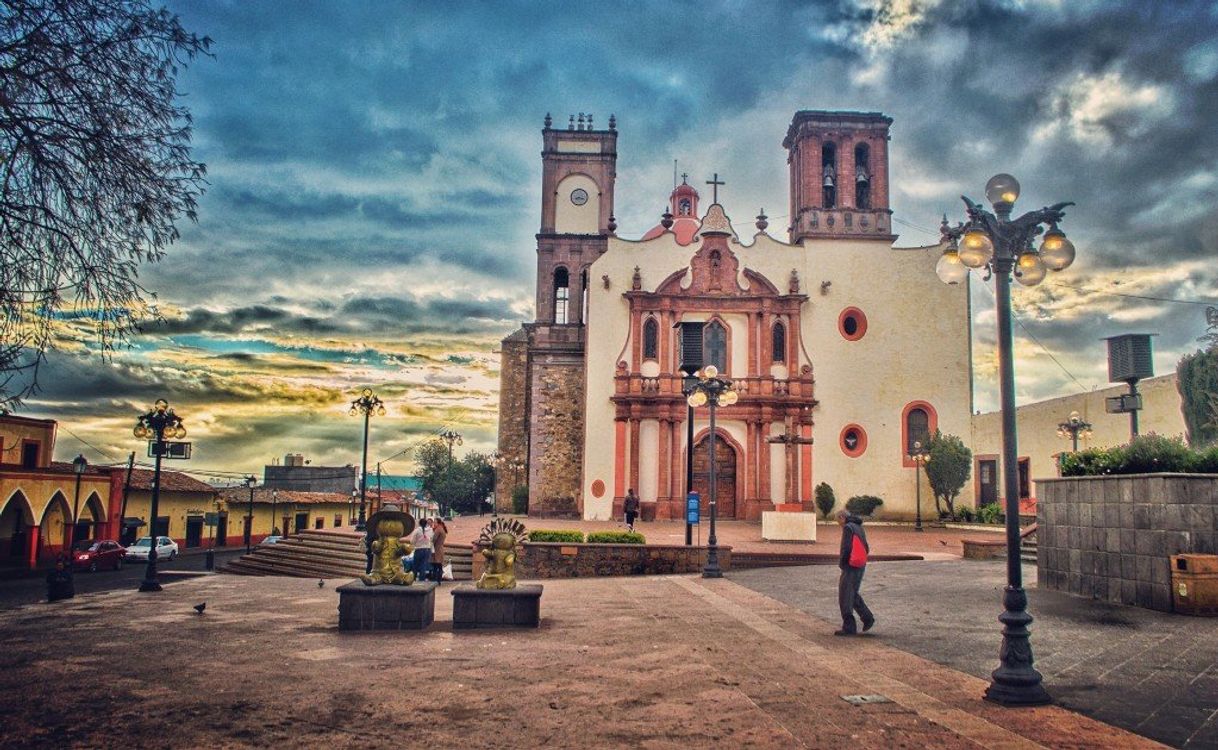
column 1040, row 446
column 282, row 511
column 40, row 498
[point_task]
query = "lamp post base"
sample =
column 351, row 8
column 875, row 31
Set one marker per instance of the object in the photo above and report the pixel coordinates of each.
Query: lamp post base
column 712, row 569
column 1016, row 682
column 150, row 585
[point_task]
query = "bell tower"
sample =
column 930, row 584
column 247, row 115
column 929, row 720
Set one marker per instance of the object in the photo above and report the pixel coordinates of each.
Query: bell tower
column 578, row 169
column 839, row 175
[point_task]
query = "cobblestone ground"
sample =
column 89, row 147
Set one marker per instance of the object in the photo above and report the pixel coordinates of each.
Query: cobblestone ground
column 1152, row 673
column 618, row 662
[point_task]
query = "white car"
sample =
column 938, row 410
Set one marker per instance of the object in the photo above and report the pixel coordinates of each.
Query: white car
column 166, row 548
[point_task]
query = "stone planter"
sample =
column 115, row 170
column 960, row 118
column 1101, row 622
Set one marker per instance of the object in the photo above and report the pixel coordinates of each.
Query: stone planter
column 567, row 560
column 1110, row 537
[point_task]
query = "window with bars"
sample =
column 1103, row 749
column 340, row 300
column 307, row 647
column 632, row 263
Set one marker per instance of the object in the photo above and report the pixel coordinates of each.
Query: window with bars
column 778, row 343
column 651, row 339
column 714, row 344
column 917, row 428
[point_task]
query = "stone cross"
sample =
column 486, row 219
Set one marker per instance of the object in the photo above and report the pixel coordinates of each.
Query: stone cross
column 715, row 183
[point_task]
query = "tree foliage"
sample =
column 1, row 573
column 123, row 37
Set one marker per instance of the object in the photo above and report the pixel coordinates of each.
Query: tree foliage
column 458, row 484
column 95, row 168
column 825, row 500
column 1197, row 381
column 947, row 470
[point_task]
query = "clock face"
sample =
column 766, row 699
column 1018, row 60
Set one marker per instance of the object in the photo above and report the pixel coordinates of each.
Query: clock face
column 579, row 196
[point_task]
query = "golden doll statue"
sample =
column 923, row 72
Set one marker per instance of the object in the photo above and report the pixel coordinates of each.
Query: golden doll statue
column 387, row 532
column 498, row 542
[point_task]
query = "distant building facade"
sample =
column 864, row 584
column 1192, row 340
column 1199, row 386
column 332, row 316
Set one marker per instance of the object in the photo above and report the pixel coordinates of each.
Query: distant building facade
column 296, row 474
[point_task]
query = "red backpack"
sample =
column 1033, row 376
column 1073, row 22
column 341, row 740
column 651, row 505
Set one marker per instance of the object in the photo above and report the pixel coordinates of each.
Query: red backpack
column 858, row 553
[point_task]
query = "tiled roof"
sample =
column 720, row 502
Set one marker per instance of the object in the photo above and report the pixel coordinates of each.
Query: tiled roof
column 238, row 495
column 171, row 481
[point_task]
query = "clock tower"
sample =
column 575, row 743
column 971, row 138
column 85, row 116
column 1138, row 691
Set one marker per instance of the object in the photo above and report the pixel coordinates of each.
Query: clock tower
column 541, row 421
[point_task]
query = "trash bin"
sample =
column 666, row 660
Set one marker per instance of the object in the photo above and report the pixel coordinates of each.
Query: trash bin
column 1194, row 584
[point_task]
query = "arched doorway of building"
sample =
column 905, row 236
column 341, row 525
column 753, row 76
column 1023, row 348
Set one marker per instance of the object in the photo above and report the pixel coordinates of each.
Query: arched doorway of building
column 16, row 518
column 92, row 516
column 53, row 528
column 725, row 475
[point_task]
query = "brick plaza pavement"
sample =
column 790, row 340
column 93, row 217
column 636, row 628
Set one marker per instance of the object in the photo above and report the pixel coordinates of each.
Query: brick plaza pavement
column 1149, row 672
column 674, row 661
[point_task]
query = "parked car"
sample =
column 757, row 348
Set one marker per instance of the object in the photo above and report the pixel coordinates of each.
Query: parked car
column 270, row 539
column 166, row 548
column 93, row 555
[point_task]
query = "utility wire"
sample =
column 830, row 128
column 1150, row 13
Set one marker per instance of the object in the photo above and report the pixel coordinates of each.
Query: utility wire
column 1045, row 349
column 1138, row 296
column 95, row 449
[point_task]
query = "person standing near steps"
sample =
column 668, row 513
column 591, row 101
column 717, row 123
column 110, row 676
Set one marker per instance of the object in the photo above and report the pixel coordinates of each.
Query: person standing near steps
column 852, row 559
column 631, row 508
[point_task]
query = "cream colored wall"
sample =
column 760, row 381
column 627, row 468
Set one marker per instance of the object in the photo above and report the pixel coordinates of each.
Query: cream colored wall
column 916, row 348
column 649, row 445
column 1036, row 425
column 572, row 219
column 739, row 325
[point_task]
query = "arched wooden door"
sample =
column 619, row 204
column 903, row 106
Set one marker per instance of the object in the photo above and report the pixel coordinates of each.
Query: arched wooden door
column 725, row 478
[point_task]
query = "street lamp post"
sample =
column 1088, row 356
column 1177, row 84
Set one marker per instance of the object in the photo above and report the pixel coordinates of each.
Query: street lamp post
column 158, row 424
column 1003, row 246
column 79, row 464
column 366, row 404
column 274, row 501
column 687, row 389
column 712, row 390
column 919, row 456
column 250, row 481
column 1074, row 426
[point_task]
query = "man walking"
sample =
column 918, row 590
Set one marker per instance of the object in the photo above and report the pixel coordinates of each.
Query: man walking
column 853, row 562
column 631, row 508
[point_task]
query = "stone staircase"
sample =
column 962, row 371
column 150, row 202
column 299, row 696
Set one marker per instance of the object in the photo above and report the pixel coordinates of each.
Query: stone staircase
column 324, row 554
column 1027, row 545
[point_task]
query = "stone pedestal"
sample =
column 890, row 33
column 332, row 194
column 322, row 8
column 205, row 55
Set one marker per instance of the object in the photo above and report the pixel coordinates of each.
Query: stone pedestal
column 489, row 608
column 785, row 526
column 386, row 607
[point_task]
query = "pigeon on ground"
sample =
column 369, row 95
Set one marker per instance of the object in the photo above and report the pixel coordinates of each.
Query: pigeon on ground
column 200, row 607
column 320, row 583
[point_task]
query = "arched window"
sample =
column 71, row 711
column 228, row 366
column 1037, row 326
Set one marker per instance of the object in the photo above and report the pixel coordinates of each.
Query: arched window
column 862, row 176
column 683, row 208
column 828, row 166
column 562, row 294
column 651, row 339
column 714, row 345
column 778, row 343
column 917, row 428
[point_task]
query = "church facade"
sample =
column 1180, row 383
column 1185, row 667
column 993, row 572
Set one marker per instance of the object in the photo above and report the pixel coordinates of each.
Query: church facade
column 844, row 349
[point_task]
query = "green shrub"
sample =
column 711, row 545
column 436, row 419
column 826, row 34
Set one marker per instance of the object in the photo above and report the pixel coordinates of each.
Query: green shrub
column 863, row 505
column 825, row 499
column 1145, row 454
column 520, row 499
column 965, row 514
column 555, row 535
column 991, row 513
column 616, row 537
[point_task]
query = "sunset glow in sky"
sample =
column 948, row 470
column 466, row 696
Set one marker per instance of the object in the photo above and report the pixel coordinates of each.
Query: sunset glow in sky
column 374, row 189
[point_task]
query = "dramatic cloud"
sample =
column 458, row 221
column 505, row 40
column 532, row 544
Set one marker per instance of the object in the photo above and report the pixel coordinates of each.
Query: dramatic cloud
column 375, row 187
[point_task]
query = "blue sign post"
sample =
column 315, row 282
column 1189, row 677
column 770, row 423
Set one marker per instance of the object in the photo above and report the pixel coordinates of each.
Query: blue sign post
column 692, row 507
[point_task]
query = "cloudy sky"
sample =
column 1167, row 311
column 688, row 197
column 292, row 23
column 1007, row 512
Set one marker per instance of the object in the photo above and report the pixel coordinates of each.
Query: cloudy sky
column 375, row 179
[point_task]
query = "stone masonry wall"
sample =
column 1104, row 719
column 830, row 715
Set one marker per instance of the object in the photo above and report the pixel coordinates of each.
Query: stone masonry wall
column 513, row 418
column 556, row 432
column 558, row 560
column 1111, row 538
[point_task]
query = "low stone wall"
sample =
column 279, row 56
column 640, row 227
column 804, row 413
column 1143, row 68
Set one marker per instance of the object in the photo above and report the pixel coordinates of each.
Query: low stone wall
column 562, row 560
column 1110, row 538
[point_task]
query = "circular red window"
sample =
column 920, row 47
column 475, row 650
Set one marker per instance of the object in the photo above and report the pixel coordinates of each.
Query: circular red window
column 598, row 488
column 853, row 440
column 852, row 324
